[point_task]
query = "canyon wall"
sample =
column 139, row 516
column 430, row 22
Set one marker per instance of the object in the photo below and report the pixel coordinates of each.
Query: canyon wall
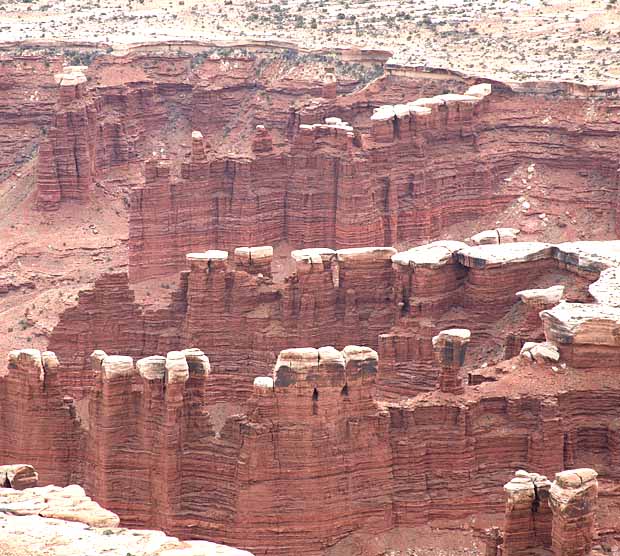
column 403, row 175
column 334, row 173
column 392, row 302
column 311, row 432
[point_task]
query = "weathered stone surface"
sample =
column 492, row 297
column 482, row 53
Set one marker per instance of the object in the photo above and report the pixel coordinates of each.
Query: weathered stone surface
column 589, row 256
column 65, row 522
column 541, row 297
column 431, row 255
column 606, row 290
column 571, row 323
column 490, row 256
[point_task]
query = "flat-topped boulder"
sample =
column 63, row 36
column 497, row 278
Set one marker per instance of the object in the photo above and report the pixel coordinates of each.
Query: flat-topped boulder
column 325, row 366
column 589, row 256
column 28, row 360
column 369, row 254
column 207, row 260
column 582, row 323
column 309, row 365
column 254, row 253
column 430, row 255
column 313, row 254
column 606, row 289
column 497, row 235
column 541, row 296
column 116, row 366
column 312, row 260
column 451, row 98
column 490, row 256
column 211, row 255
column 383, row 113
column 480, row 90
column 71, row 76
column 152, row 367
column 69, row 503
column 417, row 110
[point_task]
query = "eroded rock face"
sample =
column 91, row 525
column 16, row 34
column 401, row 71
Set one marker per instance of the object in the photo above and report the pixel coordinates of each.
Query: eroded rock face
column 374, row 296
column 388, row 462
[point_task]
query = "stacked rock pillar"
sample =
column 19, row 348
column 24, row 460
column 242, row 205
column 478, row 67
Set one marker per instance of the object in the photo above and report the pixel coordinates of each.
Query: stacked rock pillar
column 112, row 462
column 171, row 436
column 528, row 521
column 450, row 347
column 572, row 499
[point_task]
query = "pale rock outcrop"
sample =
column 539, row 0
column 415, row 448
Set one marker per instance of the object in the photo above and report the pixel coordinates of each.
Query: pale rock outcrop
column 540, row 297
column 589, row 256
column 498, row 235
column 117, row 366
column 152, row 367
column 582, row 324
column 430, row 255
column 540, row 352
column 69, row 503
column 28, row 360
column 177, row 369
column 606, row 290
column 255, row 260
column 65, row 522
column 489, row 256
column 18, row 476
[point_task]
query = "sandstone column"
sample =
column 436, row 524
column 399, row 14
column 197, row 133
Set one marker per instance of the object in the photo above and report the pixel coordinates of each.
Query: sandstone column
column 330, row 86
column 262, row 141
column 111, row 458
column 198, row 146
column 573, row 503
column 527, row 522
column 450, row 347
